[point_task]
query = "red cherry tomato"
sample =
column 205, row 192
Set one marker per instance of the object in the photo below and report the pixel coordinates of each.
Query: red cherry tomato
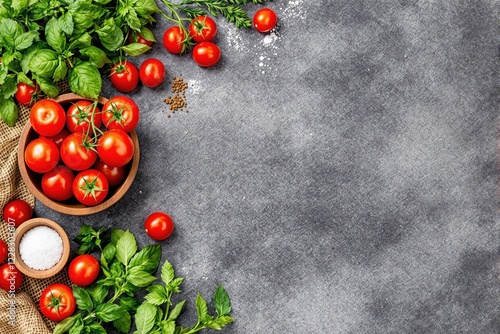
column 206, row 54
column 202, row 29
column 265, row 20
column 83, row 270
column 27, row 95
column 124, row 76
column 115, row 175
column 159, row 226
column 57, row 184
column 41, row 155
column 58, row 138
column 136, row 37
column 4, row 251
column 80, row 115
column 115, row 148
column 17, row 212
column 57, row 302
column 47, row 117
column 120, row 112
column 77, row 152
column 90, row 187
column 11, row 278
column 152, row 72
column 173, row 40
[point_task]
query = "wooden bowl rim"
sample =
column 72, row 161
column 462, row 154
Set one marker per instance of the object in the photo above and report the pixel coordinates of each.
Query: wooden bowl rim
column 25, row 227
column 68, row 208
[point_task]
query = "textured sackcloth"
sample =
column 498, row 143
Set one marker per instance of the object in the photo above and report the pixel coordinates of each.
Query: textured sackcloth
column 12, row 187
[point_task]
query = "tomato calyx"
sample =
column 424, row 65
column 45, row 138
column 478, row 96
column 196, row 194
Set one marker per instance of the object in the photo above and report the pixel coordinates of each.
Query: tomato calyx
column 117, row 113
column 83, row 113
column 200, row 25
column 120, row 67
column 55, row 302
column 91, row 188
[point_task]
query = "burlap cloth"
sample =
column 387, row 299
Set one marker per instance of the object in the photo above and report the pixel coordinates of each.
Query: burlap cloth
column 28, row 318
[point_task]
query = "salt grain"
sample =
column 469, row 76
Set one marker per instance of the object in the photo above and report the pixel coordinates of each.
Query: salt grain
column 41, row 248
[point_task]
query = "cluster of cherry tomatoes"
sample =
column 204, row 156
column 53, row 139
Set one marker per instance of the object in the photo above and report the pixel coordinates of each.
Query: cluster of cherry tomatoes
column 74, row 141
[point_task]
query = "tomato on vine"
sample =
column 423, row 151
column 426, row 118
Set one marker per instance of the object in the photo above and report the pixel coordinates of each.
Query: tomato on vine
column 90, row 187
column 56, row 184
column 78, row 152
column 124, row 76
column 59, row 138
column 120, row 112
column 27, row 95
column 206, row 54
column 265, row 20
column 47, row 117
column 57, row 302
column 202, row 28
column 174, row 40
column 115, row 175
column 41, row 155
column 115, row 148
column 81, row 115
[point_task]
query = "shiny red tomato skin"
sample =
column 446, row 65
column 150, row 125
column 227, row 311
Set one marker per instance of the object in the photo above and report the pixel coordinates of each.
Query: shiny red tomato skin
column 47, row 117
column 115, row 148
column 4, row 251
column 11, row 278
column 121, row 112
column 202, row 29
column 206, row 54
column 26, row 95
column 159, row 226
column 17, row 212
column 136, row 37
column 79, row 117
column 124, row 76
column 57, row 184
column 67, row 302
column 265, row 20
column 75, row 155
column 41, row 155
column 100, row 182
column 83, row 270
column 59, row 138
column 152, row 72
column 173, row 39
column 115, row 175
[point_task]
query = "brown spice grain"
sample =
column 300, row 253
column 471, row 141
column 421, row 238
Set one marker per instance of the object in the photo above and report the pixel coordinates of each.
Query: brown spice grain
column 178, row 100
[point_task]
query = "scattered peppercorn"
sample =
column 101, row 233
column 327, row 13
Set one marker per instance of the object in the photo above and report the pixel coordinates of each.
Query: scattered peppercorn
column 178, row 100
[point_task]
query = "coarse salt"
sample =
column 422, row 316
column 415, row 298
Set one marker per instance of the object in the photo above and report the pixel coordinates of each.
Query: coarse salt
column 41, row 248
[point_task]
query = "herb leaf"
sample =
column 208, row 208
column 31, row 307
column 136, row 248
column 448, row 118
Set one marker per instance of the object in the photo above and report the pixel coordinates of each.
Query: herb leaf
column 83, row 300
column 109, row 312
column 147, row 259
column 167, row 273
column 201, row 308
column 126, row 247
column 145, row 318
column 221, row 301
column 84, row 79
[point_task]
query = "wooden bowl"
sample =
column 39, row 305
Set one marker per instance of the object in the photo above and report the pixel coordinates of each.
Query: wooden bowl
column 21, row 231
column 72, row 206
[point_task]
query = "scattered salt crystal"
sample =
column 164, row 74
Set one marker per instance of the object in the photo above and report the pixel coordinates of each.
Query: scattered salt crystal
column 41, row 248
column 261, row 64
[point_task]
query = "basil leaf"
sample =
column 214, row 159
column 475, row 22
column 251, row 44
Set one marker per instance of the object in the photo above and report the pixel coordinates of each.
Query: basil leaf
column 116, row 234
column 95, row 55
column 174, row 313
column 25, row 40
column 110, row 35
column 129, row 303
column 135, row 49
column 84, row 14
column 96, row 328
column 4, row 71
column 156, row 295
column 9, row 87
column 109, row 312
column 61, row 70
column 66, row 23
column 147, row 34
column 97, row 293
column 83, row 300
column 21, row 77
column 27, row 54
column 174, row 285
column 123, row 324
column 167, row 272
column 140, row 278
column 132, row 19
column 116, row 269
column 66, row 324
column 145, row 318
column 167, row 327
column 43, row 62
column 84, row 79
column 108, row 252
column 146, row 7
column 77, row 327
column 9, row 111
column 201, row 308
column 147, row 259
column 81, row 41
column 54, row 35
column 222, row 302
column 47, row 86
column 9, row 31
column 126, row 247
column 19, row 5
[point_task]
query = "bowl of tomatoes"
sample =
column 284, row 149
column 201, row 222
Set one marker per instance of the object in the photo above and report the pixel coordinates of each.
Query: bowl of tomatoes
column 78, row 155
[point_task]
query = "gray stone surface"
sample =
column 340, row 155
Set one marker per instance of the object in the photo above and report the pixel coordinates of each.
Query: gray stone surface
column 339, row 176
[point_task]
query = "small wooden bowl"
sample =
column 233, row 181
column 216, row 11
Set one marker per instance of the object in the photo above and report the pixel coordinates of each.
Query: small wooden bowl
column 72, row 206
column 25, row 227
